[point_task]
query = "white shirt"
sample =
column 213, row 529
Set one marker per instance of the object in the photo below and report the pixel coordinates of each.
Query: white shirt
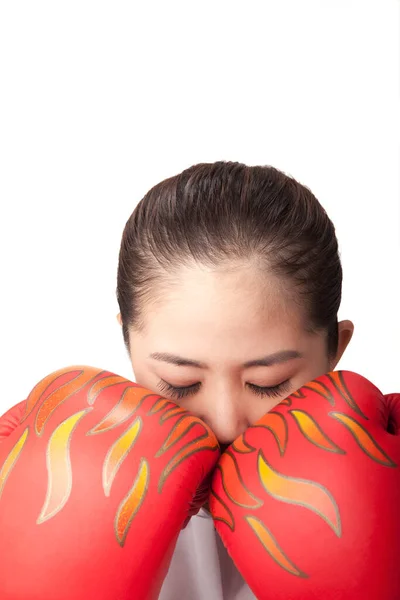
column 201, row 568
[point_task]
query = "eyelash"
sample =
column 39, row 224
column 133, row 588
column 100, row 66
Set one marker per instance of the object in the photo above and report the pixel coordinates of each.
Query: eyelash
column 183, row 392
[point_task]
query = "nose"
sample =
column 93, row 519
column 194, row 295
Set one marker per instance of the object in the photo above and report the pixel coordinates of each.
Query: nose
column 226, row 416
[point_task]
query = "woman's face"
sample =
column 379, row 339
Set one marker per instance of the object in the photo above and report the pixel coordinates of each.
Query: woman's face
column 228, row 345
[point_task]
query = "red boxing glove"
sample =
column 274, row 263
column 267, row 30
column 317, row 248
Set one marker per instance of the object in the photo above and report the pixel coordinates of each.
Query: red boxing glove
column 11, row 419
column 307, row 501
column 97, row 479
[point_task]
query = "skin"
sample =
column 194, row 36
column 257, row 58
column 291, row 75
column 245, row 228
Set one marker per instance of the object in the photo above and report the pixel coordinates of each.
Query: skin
column 223, row 318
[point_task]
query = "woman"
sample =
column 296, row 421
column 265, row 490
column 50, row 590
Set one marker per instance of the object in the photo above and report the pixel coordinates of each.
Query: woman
column 229, row 286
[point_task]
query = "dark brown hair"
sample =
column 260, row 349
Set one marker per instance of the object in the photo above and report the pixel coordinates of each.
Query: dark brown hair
column 222, row 212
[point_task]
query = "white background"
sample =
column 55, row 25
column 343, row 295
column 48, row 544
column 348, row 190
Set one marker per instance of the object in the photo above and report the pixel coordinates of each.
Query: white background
column 101, row 100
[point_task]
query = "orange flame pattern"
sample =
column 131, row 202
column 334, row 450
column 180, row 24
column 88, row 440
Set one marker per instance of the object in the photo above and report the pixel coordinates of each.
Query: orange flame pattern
column 159, row 405
column 131, row 399
column 171, row 412
column 54, row 389
column 272, row 547
column 180, row 437
column 102, row 384
column 339, row 384
column 202, row 441
column 241, row 446
column 277, row 425
column 223, row 513
column 237, row 480
column 131, row 504
column 179, row 430
column 233, row 484
column 364, row 439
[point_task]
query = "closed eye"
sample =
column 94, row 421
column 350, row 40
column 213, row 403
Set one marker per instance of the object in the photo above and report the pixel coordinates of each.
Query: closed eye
column 184, row 391
column 271, row 392
column 178, row 392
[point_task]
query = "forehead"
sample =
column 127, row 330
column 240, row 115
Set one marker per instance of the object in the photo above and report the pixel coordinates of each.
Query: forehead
column 226, row 311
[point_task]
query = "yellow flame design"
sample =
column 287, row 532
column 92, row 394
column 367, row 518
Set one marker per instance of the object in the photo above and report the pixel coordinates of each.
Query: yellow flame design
column 11, row 459
column 313, row 432
column 292, row 490
column 364, row 439
column 59, row 467
column 118, row 452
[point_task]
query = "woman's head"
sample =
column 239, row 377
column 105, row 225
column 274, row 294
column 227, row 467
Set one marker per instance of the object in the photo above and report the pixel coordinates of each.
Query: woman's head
column 221, row 267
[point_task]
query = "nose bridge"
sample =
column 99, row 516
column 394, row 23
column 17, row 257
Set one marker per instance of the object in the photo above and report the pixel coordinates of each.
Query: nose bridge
column 225, row 413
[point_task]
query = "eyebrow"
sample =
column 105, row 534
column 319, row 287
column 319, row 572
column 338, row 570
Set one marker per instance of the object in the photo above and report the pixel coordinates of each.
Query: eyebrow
column 266, row 361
